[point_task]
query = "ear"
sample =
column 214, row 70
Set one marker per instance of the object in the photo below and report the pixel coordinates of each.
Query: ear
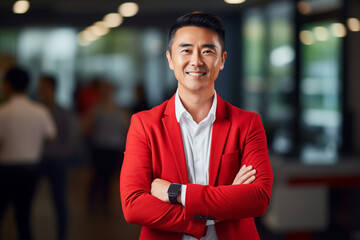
column 168, row 56
column 223, row 60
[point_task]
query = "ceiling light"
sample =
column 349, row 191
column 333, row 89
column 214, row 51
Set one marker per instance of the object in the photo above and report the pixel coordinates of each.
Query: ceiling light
column 304, row 7
column 306, row 37
column 338, row 29
column 113, row 20
column 21, row 6
column 321, row 33
column 99, row 28
column 128, row 9
column 88, row 36
column 82, row 41
column 234, row 1
column 95, row 30
column 353, row 24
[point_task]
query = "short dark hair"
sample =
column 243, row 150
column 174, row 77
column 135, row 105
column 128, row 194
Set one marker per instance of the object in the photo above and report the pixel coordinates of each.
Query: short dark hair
column 199, row 19
column 18, row 79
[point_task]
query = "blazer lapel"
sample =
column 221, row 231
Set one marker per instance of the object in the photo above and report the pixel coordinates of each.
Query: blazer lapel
column 174, row 137
column 220, row 132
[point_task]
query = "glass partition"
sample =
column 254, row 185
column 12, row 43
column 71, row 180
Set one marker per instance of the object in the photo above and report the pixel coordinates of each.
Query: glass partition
column 281, row 85
column 320, row 90
column 268, row 82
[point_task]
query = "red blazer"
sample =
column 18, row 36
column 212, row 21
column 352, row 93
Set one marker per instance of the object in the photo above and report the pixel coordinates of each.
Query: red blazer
column 154, row 149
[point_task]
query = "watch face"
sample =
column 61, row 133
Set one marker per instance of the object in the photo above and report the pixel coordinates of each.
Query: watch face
column 174, row 189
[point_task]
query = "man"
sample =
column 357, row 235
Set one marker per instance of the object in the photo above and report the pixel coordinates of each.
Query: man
column 56, row 154
column 217, row 152
column 24, row 126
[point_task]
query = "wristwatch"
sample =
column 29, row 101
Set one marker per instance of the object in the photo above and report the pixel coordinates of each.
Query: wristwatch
column 173, row 192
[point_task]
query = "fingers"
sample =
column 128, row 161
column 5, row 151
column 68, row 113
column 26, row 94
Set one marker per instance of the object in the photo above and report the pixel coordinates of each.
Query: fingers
column 244, row 169
column 250, row 180
column 246, row 175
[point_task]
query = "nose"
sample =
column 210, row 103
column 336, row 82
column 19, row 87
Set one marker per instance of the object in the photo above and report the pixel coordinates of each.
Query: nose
column 196, row 59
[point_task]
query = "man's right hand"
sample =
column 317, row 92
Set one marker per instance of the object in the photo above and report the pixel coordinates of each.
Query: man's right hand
column 246, row 175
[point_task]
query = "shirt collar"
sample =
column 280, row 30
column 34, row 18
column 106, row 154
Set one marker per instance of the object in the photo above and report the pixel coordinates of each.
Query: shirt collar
column 180, row 109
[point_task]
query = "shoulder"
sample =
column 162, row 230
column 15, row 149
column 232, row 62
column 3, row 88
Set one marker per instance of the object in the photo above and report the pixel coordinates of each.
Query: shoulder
column 234, row 112
column 241, row 118
column 243, row 122
column 37, row 109
column 4, row 106
column 38, row 106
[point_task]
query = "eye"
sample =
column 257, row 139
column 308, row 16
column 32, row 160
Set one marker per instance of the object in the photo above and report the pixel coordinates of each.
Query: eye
column 185, row 50
column 208, row 51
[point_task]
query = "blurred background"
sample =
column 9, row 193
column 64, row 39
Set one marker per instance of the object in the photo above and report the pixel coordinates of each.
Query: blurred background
column 295, row 62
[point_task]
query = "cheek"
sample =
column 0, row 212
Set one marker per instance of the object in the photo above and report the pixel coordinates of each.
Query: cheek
column 216, row 66
column 216, row 62
column 219, row 64
column 179, row 65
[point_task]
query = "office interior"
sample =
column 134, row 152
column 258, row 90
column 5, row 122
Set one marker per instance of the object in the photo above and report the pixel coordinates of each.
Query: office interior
column 295, row 62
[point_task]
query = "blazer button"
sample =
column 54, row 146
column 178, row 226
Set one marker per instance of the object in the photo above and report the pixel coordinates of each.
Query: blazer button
column 202, row 217
column 196, row 217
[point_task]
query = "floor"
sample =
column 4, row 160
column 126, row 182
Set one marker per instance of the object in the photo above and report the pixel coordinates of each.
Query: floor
column 82, row 224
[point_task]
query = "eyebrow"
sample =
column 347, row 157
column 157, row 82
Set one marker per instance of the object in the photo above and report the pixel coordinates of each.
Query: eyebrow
column 207, row 45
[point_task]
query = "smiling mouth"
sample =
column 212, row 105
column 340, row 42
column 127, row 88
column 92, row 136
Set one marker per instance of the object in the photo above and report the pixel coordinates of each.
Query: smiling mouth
column 196, row 74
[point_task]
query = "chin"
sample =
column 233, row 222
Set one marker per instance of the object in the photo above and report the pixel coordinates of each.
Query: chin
column 195, row 89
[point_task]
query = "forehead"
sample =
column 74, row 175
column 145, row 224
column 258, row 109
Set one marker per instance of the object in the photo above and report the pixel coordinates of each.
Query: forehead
column 196, row 35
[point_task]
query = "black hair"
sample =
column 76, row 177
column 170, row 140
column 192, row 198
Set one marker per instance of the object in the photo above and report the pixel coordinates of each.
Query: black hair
column 18, row 79
column 199, row 19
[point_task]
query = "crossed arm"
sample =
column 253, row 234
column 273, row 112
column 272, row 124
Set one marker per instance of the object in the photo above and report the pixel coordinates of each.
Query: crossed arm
column 159, row 187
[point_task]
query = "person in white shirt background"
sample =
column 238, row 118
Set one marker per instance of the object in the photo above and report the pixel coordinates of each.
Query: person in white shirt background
column 24, row 126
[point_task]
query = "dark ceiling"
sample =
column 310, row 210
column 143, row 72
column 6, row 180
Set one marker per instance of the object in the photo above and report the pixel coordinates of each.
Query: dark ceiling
column 80, row 13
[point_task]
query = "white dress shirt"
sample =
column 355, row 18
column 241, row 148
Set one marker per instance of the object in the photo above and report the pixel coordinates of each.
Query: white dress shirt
column 24, row 125
column 197, row 143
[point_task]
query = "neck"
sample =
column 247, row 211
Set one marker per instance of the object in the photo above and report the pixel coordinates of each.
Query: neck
column 17, row 94
column 197, row 104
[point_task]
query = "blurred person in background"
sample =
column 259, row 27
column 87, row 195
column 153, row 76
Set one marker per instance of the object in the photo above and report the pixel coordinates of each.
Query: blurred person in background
column 196, row 167
column 106, row 126
column 24, row 127
column 57, row 154
column 86, row 96
column 140, row 101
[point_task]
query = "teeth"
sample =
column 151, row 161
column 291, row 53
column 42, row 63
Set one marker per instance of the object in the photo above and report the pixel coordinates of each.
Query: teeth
column 195, row 74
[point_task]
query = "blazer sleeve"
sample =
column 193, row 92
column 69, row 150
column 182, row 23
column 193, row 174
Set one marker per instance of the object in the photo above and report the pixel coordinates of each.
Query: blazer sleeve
column 139, row 206
column 231, row 202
